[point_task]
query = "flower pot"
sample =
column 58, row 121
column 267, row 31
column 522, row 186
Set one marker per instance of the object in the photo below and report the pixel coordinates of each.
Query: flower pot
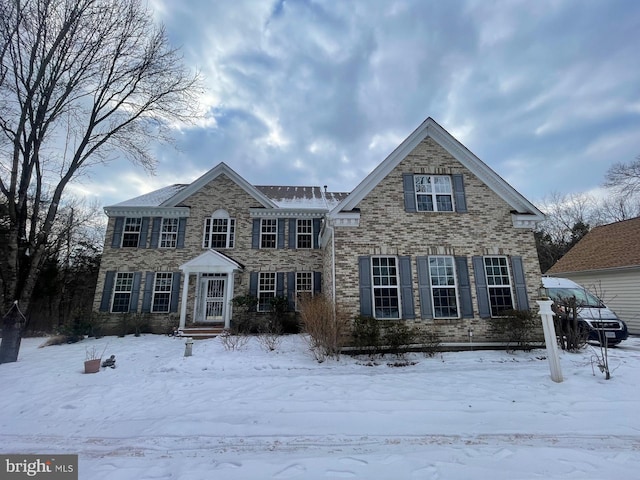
column 92, row 366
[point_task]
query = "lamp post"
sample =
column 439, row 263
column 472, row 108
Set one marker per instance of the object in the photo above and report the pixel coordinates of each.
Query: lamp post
column 550, row 335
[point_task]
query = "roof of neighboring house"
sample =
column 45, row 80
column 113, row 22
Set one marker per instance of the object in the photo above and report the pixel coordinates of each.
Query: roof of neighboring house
column 610, row 246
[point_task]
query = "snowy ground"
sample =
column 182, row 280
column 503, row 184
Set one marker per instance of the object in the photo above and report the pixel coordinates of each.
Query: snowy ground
column 280, row 415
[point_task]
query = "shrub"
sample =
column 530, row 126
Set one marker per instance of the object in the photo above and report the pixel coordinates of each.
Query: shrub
column 397, row 338
column 519, row 327
column 244, row 314
column 324, row 324
column 233, row 340
column 365, row 332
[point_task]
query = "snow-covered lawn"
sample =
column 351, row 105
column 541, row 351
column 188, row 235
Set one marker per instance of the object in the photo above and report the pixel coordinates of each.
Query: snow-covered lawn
column 252, row 414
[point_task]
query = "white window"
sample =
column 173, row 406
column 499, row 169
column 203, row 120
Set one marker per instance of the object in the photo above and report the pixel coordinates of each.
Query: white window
column 442, row 277
column 122, row 292
column 169, row 233
column 162, row 292
column 304, row 285
column 131, row 234
column 268, row 233
column 498, row 285
column 219, row 231
column 266, row 290
column 304, row 233
column 386, row 288
column 433, row 193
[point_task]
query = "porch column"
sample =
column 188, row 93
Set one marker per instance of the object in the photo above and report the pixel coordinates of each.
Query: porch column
column 228, row 296
column 185, row 296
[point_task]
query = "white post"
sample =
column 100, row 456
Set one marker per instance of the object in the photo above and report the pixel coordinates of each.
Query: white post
column 550, row 339
column 185, row 297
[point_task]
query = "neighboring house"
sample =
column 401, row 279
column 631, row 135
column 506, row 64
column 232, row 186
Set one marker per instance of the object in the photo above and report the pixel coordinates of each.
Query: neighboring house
column 606, row 261
column 432, row 236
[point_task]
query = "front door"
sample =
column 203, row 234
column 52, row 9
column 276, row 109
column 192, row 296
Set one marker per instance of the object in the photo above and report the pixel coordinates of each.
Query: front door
column 213, row 301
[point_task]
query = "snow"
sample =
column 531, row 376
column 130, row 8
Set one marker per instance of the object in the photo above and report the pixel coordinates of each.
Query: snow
column 252, row 414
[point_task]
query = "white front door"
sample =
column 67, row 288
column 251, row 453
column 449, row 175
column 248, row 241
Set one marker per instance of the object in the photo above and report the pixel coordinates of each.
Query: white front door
column 213, row 298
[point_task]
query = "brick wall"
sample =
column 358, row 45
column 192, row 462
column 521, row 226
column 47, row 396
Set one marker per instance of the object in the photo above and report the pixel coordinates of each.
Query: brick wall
column 386, row 229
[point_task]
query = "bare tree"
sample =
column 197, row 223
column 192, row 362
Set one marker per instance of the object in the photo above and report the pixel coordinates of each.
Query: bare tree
column 81, row 82
column 624, row 177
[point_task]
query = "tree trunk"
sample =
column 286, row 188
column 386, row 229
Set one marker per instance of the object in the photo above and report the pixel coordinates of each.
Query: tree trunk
column 12, row 324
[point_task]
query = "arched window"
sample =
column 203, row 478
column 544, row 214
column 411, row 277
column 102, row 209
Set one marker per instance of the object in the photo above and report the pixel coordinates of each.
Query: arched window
column 219, row 230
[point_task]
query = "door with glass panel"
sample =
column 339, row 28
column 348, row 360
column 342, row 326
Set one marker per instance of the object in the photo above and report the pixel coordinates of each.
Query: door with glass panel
column 213, row 299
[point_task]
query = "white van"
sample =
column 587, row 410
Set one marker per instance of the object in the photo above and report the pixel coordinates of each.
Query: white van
column 593, row 314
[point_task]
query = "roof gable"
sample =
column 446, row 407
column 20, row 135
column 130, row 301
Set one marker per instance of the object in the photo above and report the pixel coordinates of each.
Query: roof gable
column 220, row 169
column 210, row 261
column 616, row 245
column 430, row 128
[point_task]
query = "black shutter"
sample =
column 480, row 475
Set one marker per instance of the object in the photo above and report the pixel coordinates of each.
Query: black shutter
column 135, row 292
column 520, row 283
column 458, row 193
column 292, row 232
column 105, row 302
column 406, row 287
column 316, row 232
column 424, row 288
column 147, row 294
column 280, row 284
column 253, row 284
column 280, row 223
column 118, row 227
column 366, row 294
column 317, row 283
column 409, row 188
column 182, row 228
column 144, row 232
column 464, row 287
column 255, row 234
column 155, row 232
column 291, row 290
column 175, row 291
column 482, row 291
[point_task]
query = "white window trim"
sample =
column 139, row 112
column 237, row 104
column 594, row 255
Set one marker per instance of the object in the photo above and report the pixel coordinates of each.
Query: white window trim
column 397, row 288
column 434, row 287
column 172, row 235
column 116, row 291
column 298, row 291
column 263, row 222
column 207, row 236
column 155, row 291
column 489, row 287
column 299, row 235
column 260, row 291
column 434, row 194
column 129, row 232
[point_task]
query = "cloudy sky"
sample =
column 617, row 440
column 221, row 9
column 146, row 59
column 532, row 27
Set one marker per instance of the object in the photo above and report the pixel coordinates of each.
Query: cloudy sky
column 311, row 92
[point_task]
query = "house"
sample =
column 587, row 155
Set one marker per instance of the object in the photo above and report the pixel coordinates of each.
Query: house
column 607, row 262
column 432, row 236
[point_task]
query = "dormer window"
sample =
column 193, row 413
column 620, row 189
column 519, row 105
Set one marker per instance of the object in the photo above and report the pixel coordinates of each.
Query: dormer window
column 219, row 230
column 433, row 193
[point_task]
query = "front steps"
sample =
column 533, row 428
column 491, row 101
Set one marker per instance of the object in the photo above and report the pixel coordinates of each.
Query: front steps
column 201, row 332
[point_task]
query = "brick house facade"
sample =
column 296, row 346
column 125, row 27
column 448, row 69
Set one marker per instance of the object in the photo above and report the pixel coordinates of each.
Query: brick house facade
column 432, row 236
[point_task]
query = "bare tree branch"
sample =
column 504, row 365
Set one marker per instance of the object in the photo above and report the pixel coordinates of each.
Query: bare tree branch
column 81, row 82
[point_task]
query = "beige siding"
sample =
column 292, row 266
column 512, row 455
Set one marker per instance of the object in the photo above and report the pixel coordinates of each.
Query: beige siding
column 619, row 290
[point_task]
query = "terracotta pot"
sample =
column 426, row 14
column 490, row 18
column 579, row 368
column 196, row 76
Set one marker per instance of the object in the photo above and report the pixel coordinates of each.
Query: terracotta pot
column 92, row 366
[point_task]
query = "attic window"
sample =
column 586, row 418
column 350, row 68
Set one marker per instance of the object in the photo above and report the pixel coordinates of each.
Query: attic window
column 434, row 193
